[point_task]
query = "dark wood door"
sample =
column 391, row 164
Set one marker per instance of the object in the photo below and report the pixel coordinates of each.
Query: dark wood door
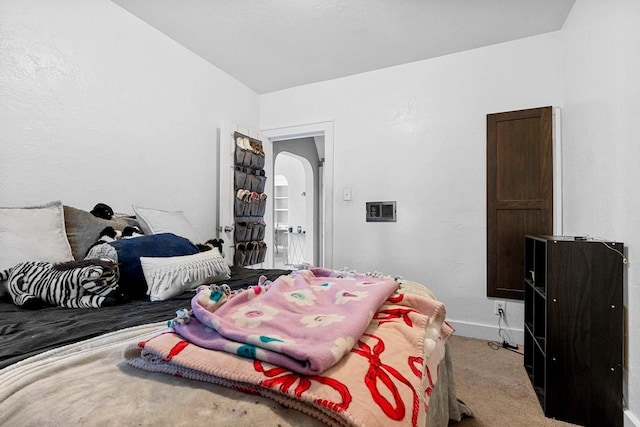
column 519, row 193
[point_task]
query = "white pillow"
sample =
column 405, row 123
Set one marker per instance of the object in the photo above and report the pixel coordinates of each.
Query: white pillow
column 34, row 233
column 170, row 276
column 154, row 221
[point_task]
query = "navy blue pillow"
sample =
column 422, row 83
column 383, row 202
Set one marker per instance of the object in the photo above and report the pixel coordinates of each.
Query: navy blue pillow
column 132, row 281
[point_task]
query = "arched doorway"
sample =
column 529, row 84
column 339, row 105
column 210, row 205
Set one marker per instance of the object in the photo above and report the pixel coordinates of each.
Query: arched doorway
column 295, row 208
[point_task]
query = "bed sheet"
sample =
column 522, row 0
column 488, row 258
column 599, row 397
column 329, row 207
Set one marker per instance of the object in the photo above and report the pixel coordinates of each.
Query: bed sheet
column 88, row 383
column 25, row 333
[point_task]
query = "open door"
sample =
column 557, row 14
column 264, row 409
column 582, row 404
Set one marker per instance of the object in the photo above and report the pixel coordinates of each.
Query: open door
column 225, row 225
column 225, row 185
column 226, row 193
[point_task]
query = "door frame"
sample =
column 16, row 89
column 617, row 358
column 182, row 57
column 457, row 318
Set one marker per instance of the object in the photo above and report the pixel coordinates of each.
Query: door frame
column 558, row 220
column 326, row 129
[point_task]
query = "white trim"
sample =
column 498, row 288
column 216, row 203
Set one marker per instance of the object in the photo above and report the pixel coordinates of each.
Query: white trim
column 557, row 172
column 269, row 213
column 630, row 419
column 325, row 129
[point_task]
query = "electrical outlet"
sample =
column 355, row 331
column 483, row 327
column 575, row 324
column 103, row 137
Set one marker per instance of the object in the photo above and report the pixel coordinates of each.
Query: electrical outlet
column 500, row 305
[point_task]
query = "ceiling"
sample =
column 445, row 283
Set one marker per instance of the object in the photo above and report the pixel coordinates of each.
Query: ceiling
column 278, row 44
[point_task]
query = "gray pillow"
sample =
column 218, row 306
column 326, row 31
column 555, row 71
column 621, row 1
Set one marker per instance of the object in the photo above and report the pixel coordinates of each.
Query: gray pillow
column 83, row 229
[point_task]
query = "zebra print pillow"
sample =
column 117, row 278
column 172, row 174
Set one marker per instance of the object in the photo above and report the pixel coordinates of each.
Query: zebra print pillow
column 75, row 284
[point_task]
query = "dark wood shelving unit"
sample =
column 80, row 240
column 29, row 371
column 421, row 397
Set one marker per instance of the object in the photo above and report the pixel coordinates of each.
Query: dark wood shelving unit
column 573, row 328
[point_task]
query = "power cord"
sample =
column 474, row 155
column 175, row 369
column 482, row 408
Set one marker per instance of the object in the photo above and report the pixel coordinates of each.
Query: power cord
column 504, row 336
column 602, row 240
column 624, row 258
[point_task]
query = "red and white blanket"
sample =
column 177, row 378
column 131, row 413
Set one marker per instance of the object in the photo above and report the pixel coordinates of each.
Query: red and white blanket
column 385, row 380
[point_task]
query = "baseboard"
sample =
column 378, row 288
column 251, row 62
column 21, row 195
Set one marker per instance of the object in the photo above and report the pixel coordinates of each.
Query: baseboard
column 630, row 419
column 486, row 332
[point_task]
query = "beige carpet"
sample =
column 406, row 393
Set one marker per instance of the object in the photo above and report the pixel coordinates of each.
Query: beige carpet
column 495, row 385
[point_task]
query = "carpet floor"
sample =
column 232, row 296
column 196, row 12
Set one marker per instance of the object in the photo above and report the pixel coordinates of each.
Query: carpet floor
column 495, row 385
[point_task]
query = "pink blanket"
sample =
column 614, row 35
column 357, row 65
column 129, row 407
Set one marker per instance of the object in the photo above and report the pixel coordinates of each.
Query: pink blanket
column 384, row 380
column 305, row 322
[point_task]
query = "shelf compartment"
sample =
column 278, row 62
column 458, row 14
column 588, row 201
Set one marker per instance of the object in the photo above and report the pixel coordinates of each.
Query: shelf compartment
column 528, row 308
column 538, row 368
column 528, row 354
column 539, row 316
column 540, row 264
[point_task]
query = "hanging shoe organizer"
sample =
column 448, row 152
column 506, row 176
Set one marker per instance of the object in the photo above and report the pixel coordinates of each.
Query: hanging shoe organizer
column 250, row 201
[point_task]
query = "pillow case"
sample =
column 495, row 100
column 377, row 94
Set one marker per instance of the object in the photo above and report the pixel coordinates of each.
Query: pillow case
column 35, row 233
column 168, row 277
column 129, row 251
column 154, row 221
column 83, row 229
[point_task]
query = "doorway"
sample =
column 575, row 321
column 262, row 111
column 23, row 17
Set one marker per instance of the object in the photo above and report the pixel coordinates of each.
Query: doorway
column 312, row 145
column 296, row 202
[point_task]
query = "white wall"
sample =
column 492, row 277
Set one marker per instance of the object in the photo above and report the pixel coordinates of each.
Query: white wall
column 97, row 106
column 601, row 114
column 417, row 134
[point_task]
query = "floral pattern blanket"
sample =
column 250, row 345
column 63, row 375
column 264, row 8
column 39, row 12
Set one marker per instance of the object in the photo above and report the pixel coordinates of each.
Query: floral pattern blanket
column 306, row 321
column 379, row 374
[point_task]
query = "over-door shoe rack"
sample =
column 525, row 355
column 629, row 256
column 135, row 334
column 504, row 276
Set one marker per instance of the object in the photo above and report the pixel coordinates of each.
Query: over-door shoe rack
column 250, row 201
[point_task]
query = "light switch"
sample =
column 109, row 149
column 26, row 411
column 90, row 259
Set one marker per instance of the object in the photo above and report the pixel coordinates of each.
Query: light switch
column 346, row 194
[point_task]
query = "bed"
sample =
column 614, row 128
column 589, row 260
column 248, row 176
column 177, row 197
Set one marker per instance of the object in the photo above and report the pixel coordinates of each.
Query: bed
column 78, row 366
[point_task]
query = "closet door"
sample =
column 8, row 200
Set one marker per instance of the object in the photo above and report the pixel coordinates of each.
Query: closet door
column 519, row 193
